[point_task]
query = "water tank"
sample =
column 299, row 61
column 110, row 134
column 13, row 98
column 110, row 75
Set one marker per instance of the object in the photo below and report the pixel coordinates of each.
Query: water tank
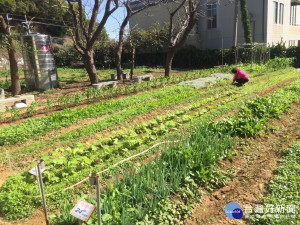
column 39, row 67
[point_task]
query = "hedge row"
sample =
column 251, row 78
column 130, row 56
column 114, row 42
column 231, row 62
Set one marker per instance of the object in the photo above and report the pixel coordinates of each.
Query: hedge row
column 187, row 57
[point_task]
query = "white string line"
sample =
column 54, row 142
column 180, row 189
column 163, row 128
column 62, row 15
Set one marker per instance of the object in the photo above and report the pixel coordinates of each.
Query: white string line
column 107, row 169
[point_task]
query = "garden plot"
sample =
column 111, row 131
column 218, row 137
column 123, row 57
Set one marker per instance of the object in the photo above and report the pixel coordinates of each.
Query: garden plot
column 63, row 163
column 83, row 130
column 85, row 159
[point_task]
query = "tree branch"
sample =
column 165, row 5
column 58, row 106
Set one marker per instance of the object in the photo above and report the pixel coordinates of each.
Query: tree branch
column 107, row 13
column 76, row 36
column 93, row 18
column 76, row 46
column 172, row 14
column 3, row 26
column 82, row 24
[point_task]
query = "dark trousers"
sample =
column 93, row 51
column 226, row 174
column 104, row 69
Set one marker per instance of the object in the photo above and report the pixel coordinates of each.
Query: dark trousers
column 242, row 81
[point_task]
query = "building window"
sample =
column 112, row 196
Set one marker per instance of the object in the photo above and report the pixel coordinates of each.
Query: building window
column 276, row 12
column 211, row 16
column 293, row 15
column 281, row 10
column 292, row 43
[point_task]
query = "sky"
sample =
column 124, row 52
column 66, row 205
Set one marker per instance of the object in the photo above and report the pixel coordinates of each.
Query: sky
column 114, row 21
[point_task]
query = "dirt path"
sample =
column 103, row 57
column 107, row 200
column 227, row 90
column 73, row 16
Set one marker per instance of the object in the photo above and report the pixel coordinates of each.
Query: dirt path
column 255, row 164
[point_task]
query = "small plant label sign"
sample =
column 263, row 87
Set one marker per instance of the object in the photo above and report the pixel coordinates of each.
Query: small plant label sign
column 33, row 171
column 83, row 210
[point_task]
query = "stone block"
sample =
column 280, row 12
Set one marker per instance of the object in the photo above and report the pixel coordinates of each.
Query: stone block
column 111, row 84
column 2, row 94
column 125, row 76
column 139, row 79
column 114, row 76
column 27, row 99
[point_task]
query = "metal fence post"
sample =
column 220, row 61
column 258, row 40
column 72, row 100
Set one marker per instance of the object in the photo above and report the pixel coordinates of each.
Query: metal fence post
column 94, row 180
column 40, row 180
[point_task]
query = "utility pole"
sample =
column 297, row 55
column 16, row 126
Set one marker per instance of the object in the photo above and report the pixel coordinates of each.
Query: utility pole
column 26, row 25
column 8, row 25
column 235, row 23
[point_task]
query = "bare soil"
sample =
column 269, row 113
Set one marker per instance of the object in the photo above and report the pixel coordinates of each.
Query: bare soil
column 275, row 87
column 255, row 165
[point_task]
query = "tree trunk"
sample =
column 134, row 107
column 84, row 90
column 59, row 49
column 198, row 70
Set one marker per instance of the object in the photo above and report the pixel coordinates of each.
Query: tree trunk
column 120, row 45
column 90, row 66
column 118, row 61
column 13, row 59
column 132, row 61
column 176, row 43
column 169, row 60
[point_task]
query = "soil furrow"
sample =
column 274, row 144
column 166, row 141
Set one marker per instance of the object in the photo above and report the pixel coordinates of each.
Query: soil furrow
column 255, row 164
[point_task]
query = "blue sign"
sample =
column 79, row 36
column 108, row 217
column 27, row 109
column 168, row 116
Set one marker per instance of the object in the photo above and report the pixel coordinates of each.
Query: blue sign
column 233, row 210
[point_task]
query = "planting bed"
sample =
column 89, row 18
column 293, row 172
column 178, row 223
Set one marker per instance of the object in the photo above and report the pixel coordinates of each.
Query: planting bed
column 179, row 120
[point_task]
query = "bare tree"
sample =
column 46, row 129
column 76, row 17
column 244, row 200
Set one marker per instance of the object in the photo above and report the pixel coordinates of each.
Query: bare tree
column 143, row 4
column 183, row 18
column 86, row 32
column 132, row 53
column 13, row 59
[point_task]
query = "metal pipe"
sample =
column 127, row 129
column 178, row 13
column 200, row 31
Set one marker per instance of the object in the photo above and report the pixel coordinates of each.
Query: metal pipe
column 98, row 200
column 40, row 180
column 263, row 21
column 235, row 23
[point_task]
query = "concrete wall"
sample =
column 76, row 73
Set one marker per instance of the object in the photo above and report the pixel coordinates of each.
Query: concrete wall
column 261, row 16
column 285, row 31
column 213, row 38
column 160, row 15
column 147, row 18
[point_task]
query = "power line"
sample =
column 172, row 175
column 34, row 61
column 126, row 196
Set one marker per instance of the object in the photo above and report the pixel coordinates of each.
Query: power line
column 112, row 28
column 49, row 24
column 36, row 22
column 32, row 17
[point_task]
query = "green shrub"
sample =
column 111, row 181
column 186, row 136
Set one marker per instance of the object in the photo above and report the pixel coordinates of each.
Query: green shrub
column 66, row 56
column 295, row 53
column 14, row 200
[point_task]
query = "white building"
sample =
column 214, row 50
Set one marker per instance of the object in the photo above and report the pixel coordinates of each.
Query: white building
column 271, row 22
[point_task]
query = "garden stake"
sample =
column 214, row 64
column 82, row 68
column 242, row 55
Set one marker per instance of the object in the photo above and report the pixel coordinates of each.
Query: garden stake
column 9, row 161
column 41, row 186
column 94, row 180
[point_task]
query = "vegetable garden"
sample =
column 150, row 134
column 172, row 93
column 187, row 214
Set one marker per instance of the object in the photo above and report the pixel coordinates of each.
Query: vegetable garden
column 153, row 145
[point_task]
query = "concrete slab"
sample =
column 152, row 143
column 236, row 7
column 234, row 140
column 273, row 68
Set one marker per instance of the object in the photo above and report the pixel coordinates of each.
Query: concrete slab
column 125, row 76
column 27, row 99
column 114, row 76
column 111, row 84
column 2, row 94
column 145, row 77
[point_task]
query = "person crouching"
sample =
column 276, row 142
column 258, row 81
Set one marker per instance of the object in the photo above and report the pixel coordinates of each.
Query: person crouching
column 240, row 77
